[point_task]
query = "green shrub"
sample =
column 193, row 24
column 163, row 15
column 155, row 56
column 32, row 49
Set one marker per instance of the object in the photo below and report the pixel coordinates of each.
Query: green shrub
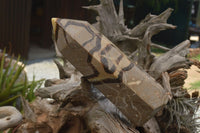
column 14, row 83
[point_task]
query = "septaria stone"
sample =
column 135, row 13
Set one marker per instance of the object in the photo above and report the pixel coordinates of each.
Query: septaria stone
column 137, row 95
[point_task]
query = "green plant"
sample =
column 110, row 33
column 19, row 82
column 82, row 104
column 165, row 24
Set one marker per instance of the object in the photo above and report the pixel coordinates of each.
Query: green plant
column 13, row 81
column 197, row 57
column 195, row 85
column 157, row 51
column 29, row 90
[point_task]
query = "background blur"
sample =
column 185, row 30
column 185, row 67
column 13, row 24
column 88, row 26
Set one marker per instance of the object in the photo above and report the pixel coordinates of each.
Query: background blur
column 27, row 23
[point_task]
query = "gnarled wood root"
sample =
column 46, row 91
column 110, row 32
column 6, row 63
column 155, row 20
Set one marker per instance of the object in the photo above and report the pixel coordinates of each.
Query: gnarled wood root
column 78, row 112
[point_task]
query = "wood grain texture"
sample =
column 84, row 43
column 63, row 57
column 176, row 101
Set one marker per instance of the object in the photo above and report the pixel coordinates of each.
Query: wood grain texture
column 134, row 92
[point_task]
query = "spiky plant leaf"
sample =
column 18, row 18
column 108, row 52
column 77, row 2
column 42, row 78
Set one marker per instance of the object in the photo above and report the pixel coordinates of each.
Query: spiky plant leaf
column 182, row 113
column 1, row 68
column 10, row 85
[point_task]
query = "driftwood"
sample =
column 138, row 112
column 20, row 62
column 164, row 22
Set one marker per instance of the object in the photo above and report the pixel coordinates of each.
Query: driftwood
column 78, row 113
column 195, row 62
column 140, row 38
column 78, row 106
column 174, row 58
column 177, row 78
column 137, row 38
column 9, row 117
column 28, row 113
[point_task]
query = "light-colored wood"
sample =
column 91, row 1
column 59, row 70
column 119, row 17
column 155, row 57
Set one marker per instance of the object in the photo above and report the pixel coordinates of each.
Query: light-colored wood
column 175, row 58
column 136, row 40
column 134, row 92
column 9, row 117
column 79, row 113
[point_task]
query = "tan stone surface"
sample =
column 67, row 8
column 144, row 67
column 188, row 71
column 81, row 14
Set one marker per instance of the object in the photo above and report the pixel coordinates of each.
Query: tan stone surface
column 193, row 76
column 133, row 91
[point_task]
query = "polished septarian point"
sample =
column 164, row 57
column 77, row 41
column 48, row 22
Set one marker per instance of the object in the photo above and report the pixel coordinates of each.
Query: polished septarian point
column 136, row 94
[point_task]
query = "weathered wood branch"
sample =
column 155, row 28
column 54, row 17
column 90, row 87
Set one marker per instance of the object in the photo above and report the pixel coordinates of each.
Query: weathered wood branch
column 78, row 111
column 153, row 30
column 166, row 84
column 172, row 59
column 139, row 30
column 28, row 113
column 106, row 123
column 145, row 57
column 127, row 43
column 139, row 38
column 144, row 54
column 101, row 65
column 50, row 82
column 62, row 73
column 9, row 117
column 160, row 47
column 135, row 95
column 60, row 91
column 121, row 13
column 110, row 18
column 196, row 62
column 177, row 78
